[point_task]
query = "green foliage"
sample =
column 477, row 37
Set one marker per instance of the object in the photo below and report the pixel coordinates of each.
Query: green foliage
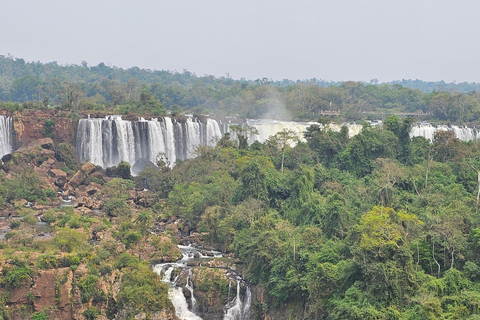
column 142, row 290
column 126, row 260
column 123, row 170
column 40, row 315
column 16, row 276
column 68, row 240
column 48, row 128
column 64, row 152
column 47, row 261
column 91, row 313
column 26, row 184
column 88, row 287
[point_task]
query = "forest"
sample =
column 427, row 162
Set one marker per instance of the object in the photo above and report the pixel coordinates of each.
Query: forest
column 375, row 226
column 104, row 88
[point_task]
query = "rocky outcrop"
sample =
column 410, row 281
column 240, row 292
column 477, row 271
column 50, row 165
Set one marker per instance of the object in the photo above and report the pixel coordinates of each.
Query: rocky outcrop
column 29, row 125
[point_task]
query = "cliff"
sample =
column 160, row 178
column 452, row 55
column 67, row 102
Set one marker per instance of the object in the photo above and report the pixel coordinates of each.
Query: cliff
column 30, row 125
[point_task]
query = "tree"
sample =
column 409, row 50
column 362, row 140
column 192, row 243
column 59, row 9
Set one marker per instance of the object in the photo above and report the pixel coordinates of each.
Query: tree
column 282, row 139
column 243, row 134
column 71, row 96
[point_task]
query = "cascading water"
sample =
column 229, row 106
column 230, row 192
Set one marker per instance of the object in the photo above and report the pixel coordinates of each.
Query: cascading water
column 428, row 131
column 6, row 129
column 106, row 142
column 234, row 310
column 238, row 309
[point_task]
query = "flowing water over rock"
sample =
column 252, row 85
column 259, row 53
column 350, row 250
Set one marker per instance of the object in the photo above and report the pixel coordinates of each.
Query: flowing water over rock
column 426, row 130
column 236, row 308
column 106, row 142
column 6, row 139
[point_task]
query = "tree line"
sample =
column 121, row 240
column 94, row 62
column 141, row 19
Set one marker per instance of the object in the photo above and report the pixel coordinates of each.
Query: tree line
column 139, row 91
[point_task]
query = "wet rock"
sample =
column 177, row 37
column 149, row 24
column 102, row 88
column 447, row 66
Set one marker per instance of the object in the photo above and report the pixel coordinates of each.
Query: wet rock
column 7, row 157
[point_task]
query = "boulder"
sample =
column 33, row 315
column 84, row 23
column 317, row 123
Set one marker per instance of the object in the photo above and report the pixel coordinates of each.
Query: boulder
column 7, row 157
column 56, row 173
column 77, row 179
column 88, row 168
column 93, row 188
column 141, row 164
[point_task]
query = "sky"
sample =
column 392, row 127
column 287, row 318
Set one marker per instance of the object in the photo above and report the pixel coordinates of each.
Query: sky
column 333, row 40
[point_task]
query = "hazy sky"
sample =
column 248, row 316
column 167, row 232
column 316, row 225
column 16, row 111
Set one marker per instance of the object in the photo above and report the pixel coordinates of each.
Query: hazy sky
column 430, row 40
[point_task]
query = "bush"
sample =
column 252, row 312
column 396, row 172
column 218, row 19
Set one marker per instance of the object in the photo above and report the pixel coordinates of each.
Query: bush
column 68, row 240
column 123, row 170
column 88, row 287
column 91, row 313
column 64, row 153
column 50, row 216
column 70, row 260
column 14, row 224
column 142, row 289
column 16, row 276
column 126, row 260
column 40, row 315
column 131, row 238
column 47, row 261
column 48, row 128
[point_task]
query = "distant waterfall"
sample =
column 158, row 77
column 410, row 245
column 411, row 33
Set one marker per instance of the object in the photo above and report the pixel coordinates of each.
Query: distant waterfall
column 6, row 139
column 107, row 141
column 268, row 128
column 428, row 131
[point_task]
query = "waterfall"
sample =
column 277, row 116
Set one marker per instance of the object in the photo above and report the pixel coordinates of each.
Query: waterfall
column 268, row 128
column 428, row 131
column 106, row 142
column 237, row 309
column 6, row 139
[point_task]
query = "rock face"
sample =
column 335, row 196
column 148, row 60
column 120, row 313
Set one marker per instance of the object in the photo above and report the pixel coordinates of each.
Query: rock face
column 29, row 126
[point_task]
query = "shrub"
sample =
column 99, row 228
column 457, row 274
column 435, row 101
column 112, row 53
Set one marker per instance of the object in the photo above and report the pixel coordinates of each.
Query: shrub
column 47, row 261
column 48, row 128
column 50, row 216
column 88, row 287
column 123, row 170
column 14, row 224
column 68, row 240
column 64, row 153
column 131, row 238
column 16, row 276
column 70, row 260
column 40, row 315
column 91, row 313
column 126, row 260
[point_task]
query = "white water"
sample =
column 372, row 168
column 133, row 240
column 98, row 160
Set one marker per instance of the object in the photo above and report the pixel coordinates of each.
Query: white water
column 268, row 128
column 240, row 310
column 427, row 131
column 106, row 142
column 234, row 310
column 6, row 141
